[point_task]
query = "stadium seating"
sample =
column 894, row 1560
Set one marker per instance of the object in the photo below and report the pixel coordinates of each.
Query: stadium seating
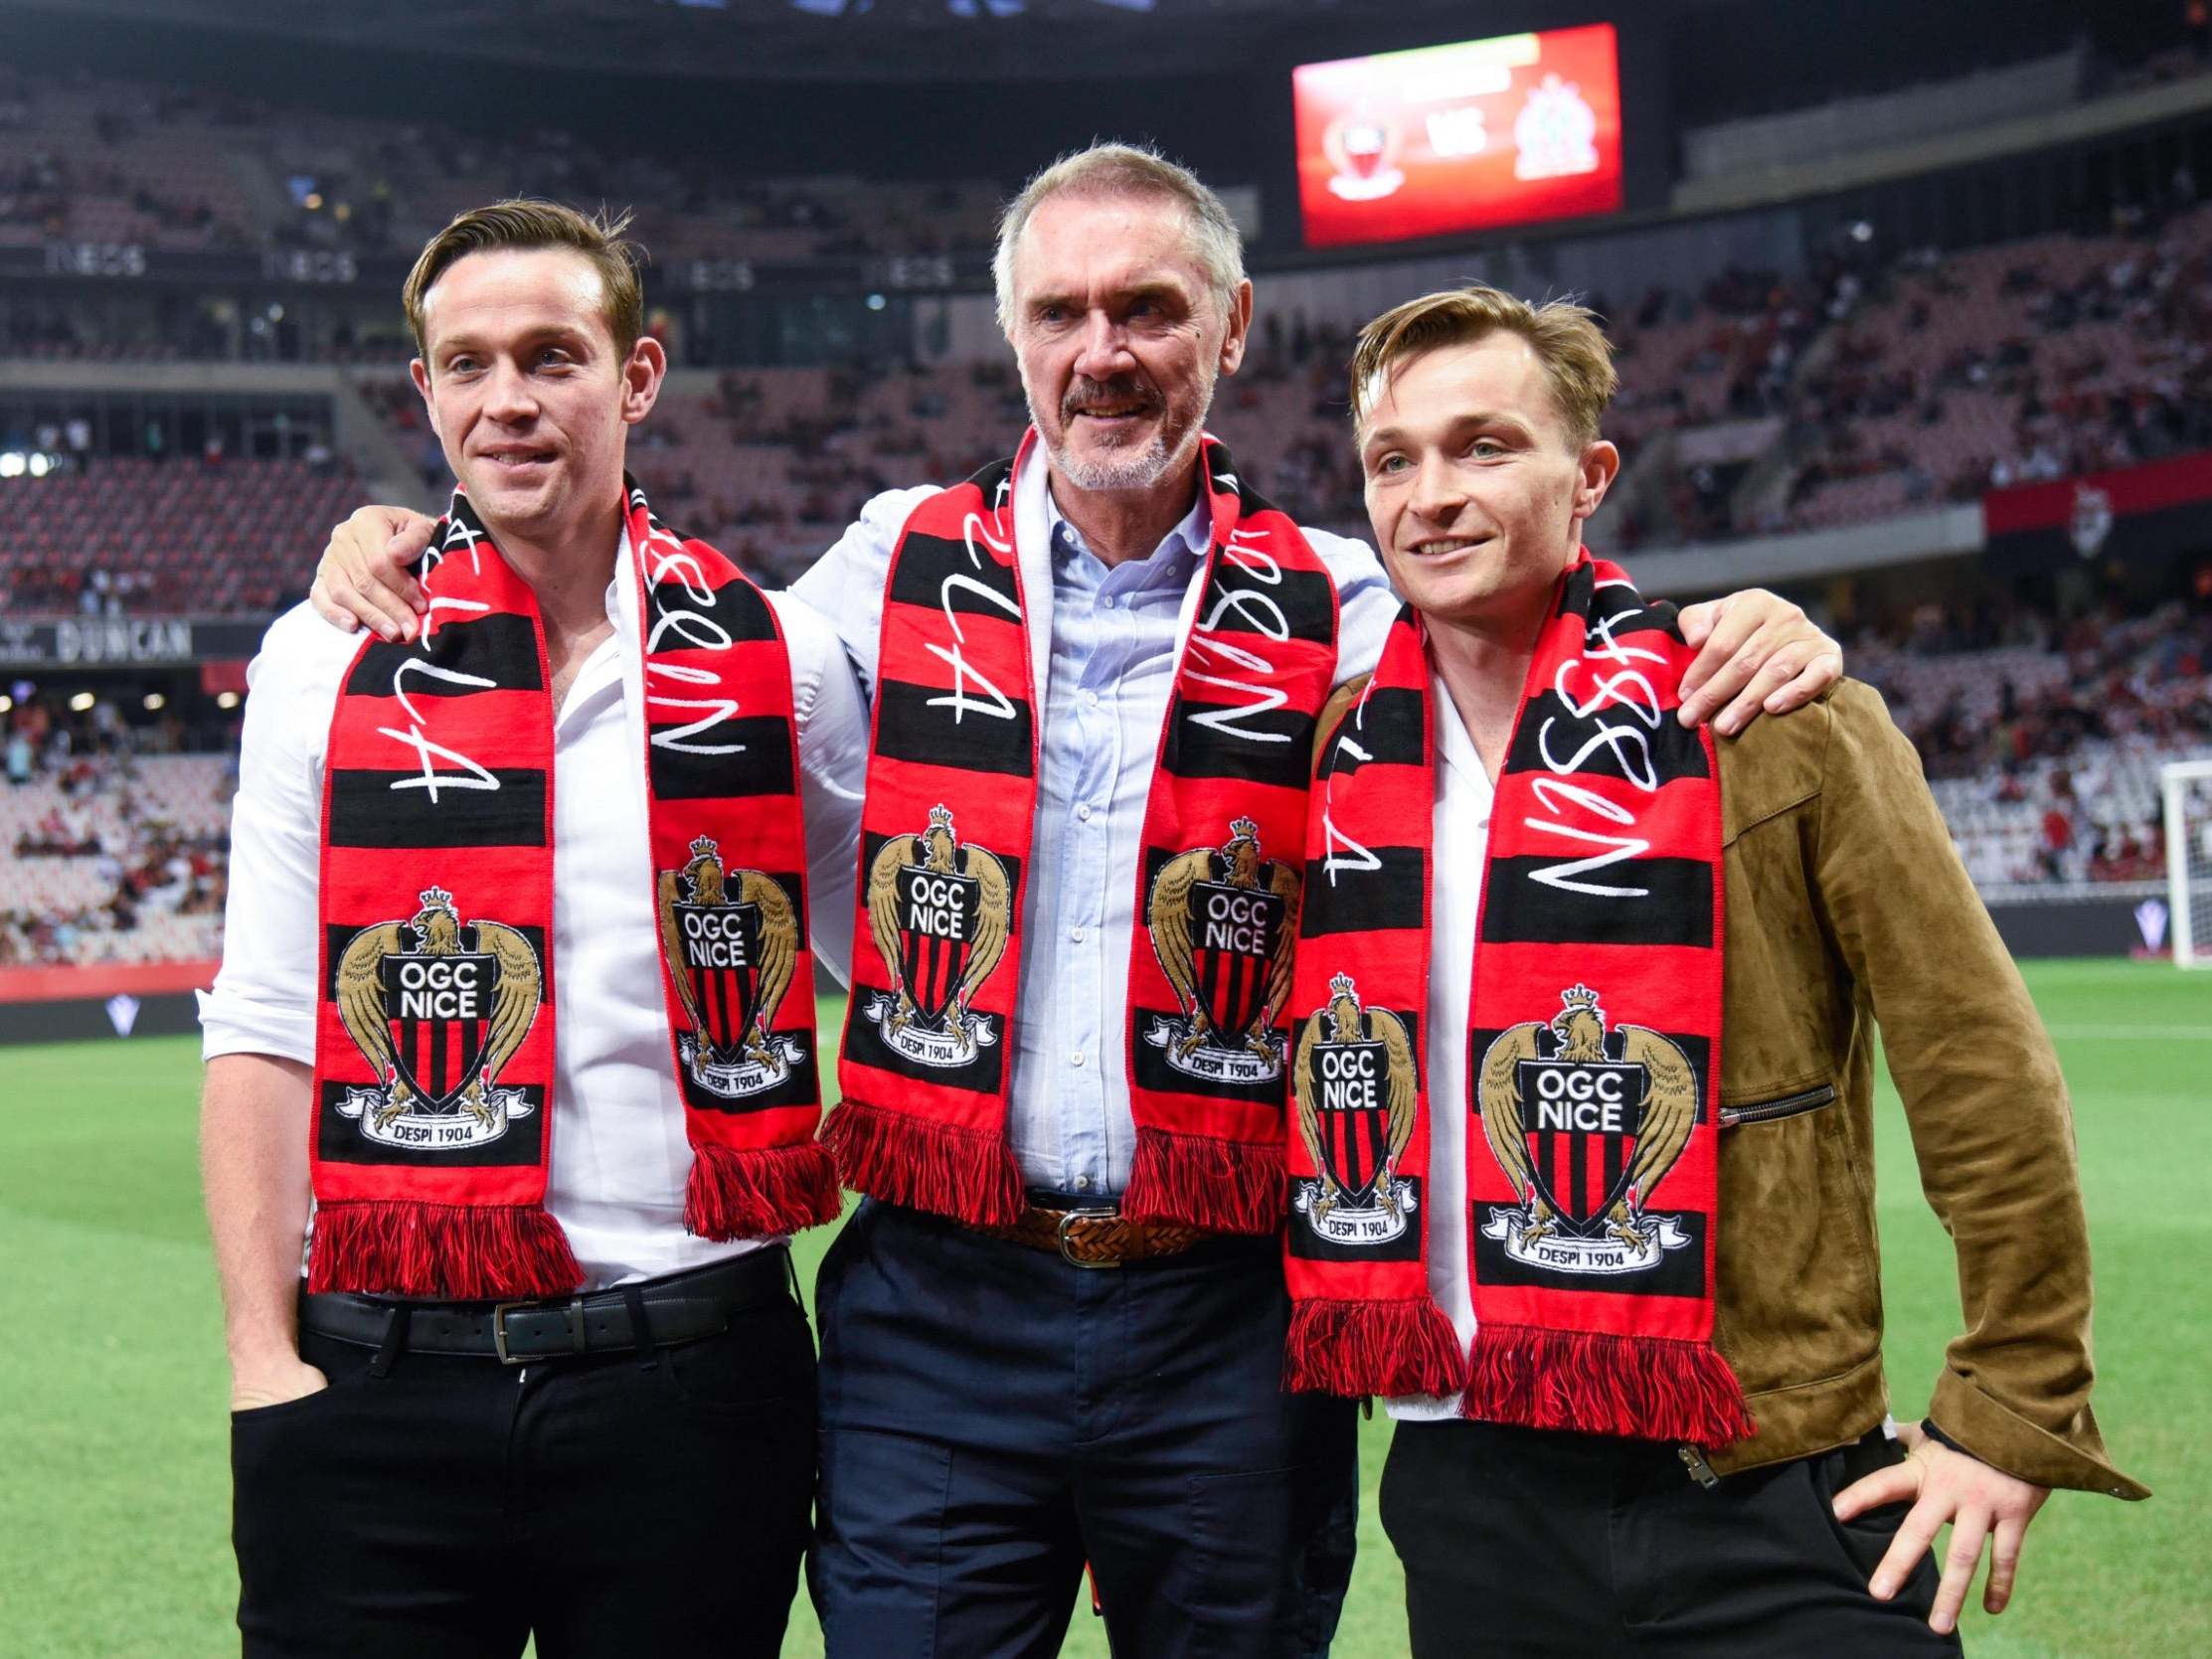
column 181, row 537
column 124, row 162
column 119, row 162
column 2045, row 757
column 1855, row 389
column 143, row 876
column 2041, row 358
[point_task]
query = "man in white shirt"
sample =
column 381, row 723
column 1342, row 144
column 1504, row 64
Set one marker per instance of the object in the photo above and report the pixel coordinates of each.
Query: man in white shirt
column 628, row 1470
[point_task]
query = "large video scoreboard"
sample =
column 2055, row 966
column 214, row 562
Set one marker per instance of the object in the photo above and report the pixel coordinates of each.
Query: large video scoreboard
column 1463, row 137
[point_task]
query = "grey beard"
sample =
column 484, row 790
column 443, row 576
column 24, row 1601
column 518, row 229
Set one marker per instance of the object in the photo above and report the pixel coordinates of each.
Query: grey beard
column 1140, row 469
column 1135, row 469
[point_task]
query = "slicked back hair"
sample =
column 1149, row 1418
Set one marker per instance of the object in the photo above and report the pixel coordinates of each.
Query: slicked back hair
column 521, row 225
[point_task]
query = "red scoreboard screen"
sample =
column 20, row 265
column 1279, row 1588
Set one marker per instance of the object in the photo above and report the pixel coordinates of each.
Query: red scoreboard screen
column 1463, row 137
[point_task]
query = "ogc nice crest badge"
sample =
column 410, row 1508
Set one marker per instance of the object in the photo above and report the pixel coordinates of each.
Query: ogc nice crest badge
column 438, row 1006
column 1586, row 1123
column 939, row 912
column 731, row 939
column 1357, row 1094
column 1223, row 922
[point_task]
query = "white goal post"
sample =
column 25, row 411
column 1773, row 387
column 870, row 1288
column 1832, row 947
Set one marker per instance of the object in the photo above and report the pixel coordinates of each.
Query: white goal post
column 2187, row 786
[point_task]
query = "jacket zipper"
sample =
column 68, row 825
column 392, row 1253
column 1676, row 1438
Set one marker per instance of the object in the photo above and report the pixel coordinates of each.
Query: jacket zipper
column 1787, row 1105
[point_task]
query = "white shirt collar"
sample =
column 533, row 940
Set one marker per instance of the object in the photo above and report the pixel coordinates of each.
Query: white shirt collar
column 1454, row 746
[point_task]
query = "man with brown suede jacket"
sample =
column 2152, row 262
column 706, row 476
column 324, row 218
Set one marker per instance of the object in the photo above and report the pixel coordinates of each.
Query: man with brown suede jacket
column 1629, row 1311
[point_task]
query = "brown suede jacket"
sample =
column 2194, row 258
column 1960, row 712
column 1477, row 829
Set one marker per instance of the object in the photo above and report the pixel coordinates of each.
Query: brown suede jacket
column 1847, row 909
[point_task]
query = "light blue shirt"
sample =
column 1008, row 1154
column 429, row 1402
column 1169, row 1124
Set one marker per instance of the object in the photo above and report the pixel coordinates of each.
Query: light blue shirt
column 1114, row 635
column 1113, row 638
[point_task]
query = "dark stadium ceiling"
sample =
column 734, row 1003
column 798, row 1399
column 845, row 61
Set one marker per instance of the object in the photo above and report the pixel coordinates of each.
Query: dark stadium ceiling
column 1694, row 59
column 857, row 39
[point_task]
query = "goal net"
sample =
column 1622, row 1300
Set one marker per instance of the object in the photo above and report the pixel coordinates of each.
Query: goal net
column 2188, row 792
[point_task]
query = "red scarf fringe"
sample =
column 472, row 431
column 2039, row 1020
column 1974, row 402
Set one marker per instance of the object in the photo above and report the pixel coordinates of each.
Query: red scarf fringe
column 1224, row 1185
column 967, row 1174
column 460, row 1252
column 1650, row 1388
column 752, row 1192
column 1387, row 1348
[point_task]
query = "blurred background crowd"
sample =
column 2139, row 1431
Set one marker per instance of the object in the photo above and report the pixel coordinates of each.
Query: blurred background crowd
column 1863, row 316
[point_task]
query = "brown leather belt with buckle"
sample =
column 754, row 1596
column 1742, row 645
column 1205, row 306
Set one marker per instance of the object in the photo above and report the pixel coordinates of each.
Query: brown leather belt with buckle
column 1101, row 1238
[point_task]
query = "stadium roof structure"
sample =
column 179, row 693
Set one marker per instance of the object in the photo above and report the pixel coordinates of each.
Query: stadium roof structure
column 1687, row 62
column 855, row 40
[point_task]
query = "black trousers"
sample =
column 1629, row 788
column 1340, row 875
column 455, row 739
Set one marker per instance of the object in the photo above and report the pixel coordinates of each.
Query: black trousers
column 1524, row 1542
column 993, row 1417
column 615, row 1506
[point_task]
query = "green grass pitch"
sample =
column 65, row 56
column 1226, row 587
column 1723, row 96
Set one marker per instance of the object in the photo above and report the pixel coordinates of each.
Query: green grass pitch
column 115, row 1525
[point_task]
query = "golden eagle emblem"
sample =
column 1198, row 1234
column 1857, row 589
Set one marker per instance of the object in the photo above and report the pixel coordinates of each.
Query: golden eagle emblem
column 940, row 913
column 731, row 939
column 437, row 1007
column 1224, row 925
column 1357, row 1093
column 1586, row 1123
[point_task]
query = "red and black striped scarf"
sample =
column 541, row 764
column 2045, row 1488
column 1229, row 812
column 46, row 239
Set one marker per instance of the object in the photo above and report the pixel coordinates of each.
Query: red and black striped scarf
column 948, row 829
column 1592, row 1048
column 434, row 1049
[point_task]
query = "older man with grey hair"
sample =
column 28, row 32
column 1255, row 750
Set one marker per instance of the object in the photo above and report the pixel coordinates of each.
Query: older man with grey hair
column 993, row 1413
column 1097, row 669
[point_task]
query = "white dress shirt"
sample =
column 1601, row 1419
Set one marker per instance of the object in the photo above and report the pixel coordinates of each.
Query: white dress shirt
column 1104, row 651
column 619, row 1155
column 1462, row 841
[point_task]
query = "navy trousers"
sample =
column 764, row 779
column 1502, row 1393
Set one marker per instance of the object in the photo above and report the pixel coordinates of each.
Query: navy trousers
column 992, row 1417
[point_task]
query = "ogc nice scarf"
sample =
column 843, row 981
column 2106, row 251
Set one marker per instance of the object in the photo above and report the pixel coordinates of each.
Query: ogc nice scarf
column 947, row 827
column 434, row 1047
column 1594, row 1048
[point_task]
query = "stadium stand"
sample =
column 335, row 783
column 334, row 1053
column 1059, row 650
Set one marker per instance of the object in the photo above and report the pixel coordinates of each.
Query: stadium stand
column 1752, row 401
column 115, row 857
column 2039, row 359
column 2044, row 750
column 117, row 161
column 192, row 536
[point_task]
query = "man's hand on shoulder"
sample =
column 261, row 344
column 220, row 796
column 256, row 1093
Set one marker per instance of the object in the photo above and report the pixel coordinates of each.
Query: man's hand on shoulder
column 1756, row 653
column 363, row 577
column 272, row 1381
column 1979, row 1502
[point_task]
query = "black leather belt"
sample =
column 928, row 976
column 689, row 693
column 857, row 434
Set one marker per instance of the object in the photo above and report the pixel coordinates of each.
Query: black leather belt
column 681, row 1308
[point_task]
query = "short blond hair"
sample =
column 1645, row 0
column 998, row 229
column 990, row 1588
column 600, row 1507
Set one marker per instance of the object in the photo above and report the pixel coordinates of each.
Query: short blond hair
column 1108, row 171
column 1577, row 357
column 521, row 224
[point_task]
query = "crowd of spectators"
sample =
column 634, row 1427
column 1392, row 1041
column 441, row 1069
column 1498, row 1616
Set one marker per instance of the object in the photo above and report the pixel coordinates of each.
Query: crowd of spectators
column 1860, row 387
column 2043, row 737
column 201, row 537
column 115, row 161
column 2046, row 358
column 105, row 160
column 112, row 847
